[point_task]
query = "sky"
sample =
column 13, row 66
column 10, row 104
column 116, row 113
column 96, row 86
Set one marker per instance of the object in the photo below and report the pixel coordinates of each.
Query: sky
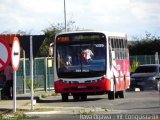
column 134, row 17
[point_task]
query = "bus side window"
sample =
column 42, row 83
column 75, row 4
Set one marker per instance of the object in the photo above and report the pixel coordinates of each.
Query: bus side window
column 118, row 49
column 116, row 43
column 119, row 41
column 115, row 49
column 112, row 43
column 126, row 51
column 121, row 48
column 125, row 43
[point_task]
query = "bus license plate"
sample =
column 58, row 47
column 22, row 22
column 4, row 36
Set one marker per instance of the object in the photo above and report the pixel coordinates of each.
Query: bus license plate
column 82, row 87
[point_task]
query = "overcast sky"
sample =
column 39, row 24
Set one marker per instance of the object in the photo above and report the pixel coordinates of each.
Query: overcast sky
column 133, row 17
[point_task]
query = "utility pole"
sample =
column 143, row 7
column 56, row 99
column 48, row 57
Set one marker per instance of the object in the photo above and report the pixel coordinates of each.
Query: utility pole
column 65, row 16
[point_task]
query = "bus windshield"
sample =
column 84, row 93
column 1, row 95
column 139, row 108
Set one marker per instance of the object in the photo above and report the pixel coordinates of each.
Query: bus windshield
column 84, row 58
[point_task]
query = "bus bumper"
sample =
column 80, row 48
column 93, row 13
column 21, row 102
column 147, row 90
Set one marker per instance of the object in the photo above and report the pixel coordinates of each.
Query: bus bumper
column 100, row 86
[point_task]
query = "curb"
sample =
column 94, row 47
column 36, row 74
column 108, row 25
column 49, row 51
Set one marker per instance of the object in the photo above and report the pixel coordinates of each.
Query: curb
column 71, row 111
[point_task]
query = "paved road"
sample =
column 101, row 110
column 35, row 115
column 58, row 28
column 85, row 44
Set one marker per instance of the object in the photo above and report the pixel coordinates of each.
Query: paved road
column 134, row 102
column 142, row 103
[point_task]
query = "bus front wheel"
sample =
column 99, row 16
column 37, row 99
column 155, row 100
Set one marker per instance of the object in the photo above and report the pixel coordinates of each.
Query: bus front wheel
column 64, row 97
column 83, row 97
column 76, row 97
column 111, row 96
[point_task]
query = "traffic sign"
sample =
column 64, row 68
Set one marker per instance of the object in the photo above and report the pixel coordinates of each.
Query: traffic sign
column 5, row 54
column 15, row 65
column 15, row 54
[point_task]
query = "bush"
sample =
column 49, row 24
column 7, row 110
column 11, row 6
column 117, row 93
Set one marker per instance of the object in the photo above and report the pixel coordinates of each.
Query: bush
column 134, row 66
column 35, row 85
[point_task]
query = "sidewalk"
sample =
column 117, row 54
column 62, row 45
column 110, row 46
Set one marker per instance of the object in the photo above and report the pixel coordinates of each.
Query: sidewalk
column 23, row 103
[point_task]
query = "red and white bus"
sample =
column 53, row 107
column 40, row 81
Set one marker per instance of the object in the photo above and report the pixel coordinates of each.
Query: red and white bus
column 91, row 62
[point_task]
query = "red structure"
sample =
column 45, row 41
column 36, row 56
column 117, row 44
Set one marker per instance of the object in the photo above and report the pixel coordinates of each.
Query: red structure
column 8, row 37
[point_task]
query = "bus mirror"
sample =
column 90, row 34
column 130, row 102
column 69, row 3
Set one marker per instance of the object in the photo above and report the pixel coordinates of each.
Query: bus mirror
column 51, row 49
column 51, row 44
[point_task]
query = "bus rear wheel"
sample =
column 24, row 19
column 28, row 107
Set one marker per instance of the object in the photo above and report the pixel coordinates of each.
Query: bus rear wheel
column 64, row 97
column 121, row 94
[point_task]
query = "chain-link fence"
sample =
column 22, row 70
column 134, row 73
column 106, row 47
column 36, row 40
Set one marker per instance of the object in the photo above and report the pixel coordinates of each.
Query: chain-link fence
column 143, row 59
column 43, row 74
column 43, row 71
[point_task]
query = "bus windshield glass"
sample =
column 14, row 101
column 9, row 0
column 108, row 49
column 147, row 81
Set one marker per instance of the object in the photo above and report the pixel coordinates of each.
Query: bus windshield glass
column 79, row 55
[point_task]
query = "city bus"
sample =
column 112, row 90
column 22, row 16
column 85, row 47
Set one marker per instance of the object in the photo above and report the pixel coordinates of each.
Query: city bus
column 91, row 63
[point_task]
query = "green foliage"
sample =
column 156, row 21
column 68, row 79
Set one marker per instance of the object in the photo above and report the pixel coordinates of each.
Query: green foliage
column 50, row 35
column 84, row 112
column 147, row 45
column 35, row 84
column 134, row 65
column 19, row 115
column 45, row 95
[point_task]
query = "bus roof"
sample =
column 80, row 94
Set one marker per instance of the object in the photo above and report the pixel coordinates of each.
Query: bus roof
column 113, row 34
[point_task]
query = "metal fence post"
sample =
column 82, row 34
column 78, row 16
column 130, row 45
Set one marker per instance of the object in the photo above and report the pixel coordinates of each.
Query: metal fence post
column 24, row 73
column 46, row 76
column 145, row 59
column 48, row 68
column 31, row 71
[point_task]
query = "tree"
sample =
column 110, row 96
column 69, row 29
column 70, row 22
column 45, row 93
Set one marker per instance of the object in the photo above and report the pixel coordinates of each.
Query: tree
column 50, row 34
column 147, row 45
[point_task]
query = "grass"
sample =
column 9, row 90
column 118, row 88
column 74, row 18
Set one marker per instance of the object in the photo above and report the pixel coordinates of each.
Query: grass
column 8, row 114
column 46, row 95
column 18, row 115
column 84, row 112
column 107, row 109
